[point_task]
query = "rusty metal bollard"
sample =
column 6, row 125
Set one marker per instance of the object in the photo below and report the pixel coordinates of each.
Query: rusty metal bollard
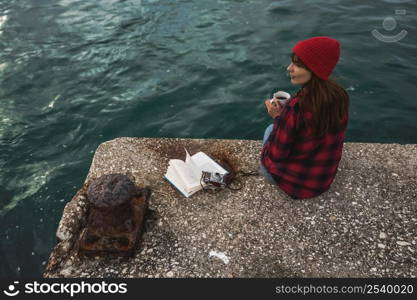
column 116, row 216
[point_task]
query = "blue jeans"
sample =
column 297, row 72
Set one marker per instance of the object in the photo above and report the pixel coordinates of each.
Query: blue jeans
column 264, row 172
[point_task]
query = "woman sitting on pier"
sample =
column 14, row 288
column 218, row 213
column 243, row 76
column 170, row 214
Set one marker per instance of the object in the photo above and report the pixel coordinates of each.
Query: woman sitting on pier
column 303, row 147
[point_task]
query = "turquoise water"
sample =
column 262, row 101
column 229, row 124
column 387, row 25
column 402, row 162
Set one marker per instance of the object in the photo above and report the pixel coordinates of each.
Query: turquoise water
column 74, row 74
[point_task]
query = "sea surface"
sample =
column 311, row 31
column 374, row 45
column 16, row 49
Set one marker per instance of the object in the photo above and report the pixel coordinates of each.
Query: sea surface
column 76, row 73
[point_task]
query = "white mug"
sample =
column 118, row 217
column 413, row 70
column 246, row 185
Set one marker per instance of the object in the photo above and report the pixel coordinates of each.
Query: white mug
column 281, row 94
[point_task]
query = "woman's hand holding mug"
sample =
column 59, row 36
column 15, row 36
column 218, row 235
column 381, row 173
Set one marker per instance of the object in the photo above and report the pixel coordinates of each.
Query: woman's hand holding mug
column 273, row 107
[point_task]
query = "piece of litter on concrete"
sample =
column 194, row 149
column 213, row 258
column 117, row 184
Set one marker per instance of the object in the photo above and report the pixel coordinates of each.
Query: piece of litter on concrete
column 219, row 255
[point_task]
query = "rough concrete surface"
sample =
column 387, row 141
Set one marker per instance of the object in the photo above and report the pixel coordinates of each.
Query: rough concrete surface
column 364, row 226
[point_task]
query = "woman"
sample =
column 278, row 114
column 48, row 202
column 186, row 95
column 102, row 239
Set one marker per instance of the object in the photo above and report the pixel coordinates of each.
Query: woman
column 303, row 147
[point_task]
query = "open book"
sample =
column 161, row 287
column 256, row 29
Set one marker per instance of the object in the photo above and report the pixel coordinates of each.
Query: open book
column 186, row 176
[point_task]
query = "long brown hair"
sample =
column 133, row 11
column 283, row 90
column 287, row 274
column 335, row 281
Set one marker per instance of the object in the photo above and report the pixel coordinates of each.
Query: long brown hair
column 325, row 99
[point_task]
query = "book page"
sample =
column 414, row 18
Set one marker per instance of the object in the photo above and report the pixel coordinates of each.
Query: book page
column 206, row 163
column 185, row 173
column 173, row 177
column 190, row 162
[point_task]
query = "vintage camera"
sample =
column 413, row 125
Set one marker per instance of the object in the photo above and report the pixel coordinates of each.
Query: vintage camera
column 215, row 179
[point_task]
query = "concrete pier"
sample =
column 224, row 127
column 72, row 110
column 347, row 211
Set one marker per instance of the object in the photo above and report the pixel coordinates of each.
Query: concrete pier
column 364, row 226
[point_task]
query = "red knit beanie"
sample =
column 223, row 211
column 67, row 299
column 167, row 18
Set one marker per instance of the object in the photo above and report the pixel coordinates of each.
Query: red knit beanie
column 320, row 54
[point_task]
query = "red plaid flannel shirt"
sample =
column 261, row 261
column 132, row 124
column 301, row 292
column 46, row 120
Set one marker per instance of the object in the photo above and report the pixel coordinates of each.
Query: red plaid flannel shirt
column 302, row 165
